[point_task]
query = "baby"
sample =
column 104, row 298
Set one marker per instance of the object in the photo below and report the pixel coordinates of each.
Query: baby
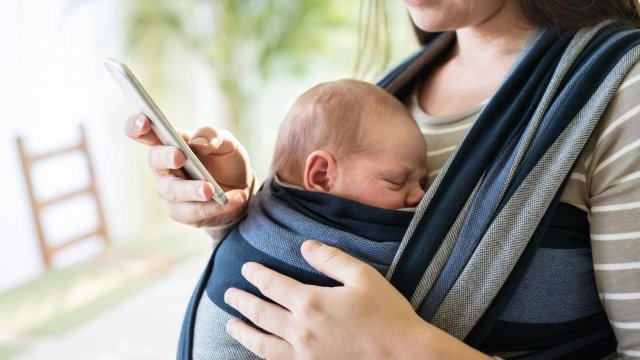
column 348, row 167
column 354, row 140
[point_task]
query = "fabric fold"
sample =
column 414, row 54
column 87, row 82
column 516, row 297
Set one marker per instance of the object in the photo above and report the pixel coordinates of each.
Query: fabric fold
column 492, row 203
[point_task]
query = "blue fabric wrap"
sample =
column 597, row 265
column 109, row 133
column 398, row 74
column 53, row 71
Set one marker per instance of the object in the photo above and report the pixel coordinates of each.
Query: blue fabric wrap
column 490, row 141
column 278, row 221
column 517, row 319
column 492, row 130
column 272, row 236
column 570, row 100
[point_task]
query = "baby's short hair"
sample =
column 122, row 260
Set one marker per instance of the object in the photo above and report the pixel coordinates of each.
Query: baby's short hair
column 329, row 116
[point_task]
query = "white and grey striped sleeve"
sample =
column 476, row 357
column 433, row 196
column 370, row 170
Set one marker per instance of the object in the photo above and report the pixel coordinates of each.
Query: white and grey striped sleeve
column 612, row 177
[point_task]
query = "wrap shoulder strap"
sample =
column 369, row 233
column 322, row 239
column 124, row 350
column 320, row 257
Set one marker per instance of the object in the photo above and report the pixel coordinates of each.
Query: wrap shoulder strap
column 490, row 205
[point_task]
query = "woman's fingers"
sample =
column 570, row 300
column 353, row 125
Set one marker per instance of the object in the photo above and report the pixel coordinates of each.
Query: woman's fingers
column 335, row 263
column 162, row 159
column 277, row 287
column 210, row 141
column 138, row 127
column 264, row 345
column 269, row 317
column 174, row 189
column 189, row 202
column 200, row 212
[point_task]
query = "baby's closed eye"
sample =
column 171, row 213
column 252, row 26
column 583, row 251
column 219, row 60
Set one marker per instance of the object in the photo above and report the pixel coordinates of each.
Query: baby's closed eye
column 396, row 182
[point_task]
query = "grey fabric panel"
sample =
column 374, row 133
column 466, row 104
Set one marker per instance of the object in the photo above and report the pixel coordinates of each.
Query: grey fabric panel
column 507, row 237
column 559, row 286
column 210, row 339
column 440, row 258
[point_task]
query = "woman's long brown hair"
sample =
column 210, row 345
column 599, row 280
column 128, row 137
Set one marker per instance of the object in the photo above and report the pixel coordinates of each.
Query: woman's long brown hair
column 373, row 38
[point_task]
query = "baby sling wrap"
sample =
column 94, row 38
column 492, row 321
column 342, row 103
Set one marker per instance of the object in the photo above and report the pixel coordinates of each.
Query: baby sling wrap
column 479, row 257
column 279, row 219
column 491, row 255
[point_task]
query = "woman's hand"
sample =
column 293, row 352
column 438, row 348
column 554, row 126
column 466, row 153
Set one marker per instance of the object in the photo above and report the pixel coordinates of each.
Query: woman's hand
column 189, row 201
column 364, row 319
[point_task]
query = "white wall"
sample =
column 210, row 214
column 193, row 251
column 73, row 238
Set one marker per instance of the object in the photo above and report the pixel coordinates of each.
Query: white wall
column 52, row 80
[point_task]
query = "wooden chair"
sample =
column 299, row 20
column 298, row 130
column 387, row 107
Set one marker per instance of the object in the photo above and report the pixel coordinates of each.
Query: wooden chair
column 37, row 205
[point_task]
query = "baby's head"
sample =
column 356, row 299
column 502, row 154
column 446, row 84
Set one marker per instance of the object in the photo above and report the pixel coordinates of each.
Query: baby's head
column 354, row 140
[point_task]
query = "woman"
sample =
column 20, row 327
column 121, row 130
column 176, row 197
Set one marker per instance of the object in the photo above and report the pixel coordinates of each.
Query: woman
column 369, row 318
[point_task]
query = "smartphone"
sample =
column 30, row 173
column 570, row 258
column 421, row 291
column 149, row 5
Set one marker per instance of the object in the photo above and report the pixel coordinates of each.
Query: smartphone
column 160, row 125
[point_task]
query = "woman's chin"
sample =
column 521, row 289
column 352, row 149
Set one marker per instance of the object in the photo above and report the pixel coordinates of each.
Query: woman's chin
column 430, row 22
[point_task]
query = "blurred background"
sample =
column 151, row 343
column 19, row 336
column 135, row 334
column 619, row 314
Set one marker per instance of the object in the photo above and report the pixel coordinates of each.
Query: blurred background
column 109, row 277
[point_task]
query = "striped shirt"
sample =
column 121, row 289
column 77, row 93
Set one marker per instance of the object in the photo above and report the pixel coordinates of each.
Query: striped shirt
column 605, row 184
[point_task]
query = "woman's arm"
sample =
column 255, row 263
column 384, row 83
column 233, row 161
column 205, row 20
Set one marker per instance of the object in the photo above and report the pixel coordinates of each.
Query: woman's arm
column 366, row 318
column 612, row 180
column 189, row 201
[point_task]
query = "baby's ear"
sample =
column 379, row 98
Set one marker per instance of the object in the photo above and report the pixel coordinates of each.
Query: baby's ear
column 319, row 171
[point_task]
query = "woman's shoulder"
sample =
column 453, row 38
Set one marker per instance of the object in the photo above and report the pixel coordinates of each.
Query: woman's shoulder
column 612, row 150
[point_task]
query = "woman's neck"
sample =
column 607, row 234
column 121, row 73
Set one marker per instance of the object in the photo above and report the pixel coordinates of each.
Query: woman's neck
column 501, row 36
column 482, row 56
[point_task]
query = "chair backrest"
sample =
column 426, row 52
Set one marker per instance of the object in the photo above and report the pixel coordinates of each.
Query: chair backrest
column 37, row 205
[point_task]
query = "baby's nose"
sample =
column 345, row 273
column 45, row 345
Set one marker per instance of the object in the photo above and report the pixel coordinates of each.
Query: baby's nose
column 415, row 196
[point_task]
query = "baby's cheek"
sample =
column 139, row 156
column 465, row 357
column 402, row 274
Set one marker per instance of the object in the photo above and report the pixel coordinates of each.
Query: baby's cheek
column 389, row 199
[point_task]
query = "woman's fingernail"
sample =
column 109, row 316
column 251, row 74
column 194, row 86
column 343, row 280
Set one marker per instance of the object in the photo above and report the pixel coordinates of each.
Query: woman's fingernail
column 201, row 193
column 228, row 295
column 311, row 245
column 231, row 327
column 199, row 141
column 247, row 269
column 139, row 122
